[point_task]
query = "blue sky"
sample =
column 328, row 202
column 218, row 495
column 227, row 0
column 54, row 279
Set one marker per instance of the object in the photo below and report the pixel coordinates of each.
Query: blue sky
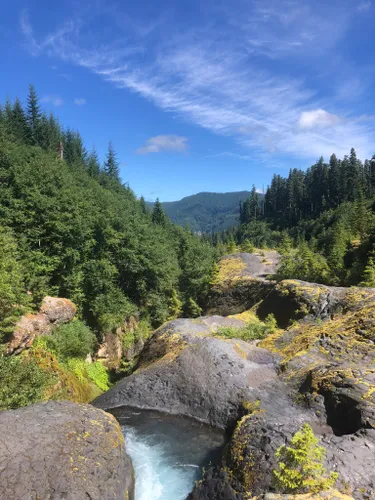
column 206, row 95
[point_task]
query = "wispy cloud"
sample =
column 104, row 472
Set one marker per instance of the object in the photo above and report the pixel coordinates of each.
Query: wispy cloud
column 161, row 143
column 230, row 154
column 220, row 79
column 55, row 100
column 364, row 6
column 80, row 101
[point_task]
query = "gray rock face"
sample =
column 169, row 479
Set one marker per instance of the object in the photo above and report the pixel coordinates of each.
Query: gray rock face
column 185, row 370
column 64, row 451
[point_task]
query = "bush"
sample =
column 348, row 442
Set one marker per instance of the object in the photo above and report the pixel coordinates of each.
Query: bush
column 22, row 382
column 254, row 330
column 99, row 375
column 301, row 467
column 73, row 340
column 306, row 265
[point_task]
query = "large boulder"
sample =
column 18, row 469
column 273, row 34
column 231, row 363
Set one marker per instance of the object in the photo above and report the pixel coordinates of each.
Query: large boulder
column 241, row 282
column 292, row 300
column 63, row 451
column 185, row 369
column 54, row 311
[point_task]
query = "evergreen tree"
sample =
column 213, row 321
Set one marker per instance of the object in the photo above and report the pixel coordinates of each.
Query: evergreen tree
column 158, row 215
column 33, row 114
column 143, row 205
column 93, row 164
column 111, row 165
column 18, row 121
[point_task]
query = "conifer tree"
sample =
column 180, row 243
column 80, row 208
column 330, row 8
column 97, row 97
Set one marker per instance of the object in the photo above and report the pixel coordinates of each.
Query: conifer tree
column 143, row 204
column 33, row 114
column 93, row 164
column 158, row 215
column 18, row 121
column 111, row 165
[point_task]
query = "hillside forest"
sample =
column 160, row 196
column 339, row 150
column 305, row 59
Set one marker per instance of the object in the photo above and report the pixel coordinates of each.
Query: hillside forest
column 70, row 228
column 321, row 219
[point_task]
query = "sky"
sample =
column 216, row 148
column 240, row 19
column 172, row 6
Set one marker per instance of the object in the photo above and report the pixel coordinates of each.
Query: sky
column 199, row 95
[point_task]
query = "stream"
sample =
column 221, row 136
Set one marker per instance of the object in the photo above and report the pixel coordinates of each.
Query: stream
column 168, row 452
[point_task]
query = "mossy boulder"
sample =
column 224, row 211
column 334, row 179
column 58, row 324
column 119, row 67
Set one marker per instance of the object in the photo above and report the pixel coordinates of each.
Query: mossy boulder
column 185, row 369
column 63, row 450
column 240, row 282
column 292, row 300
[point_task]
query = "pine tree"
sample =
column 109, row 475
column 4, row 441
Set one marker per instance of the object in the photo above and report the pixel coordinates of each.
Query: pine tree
column 33, row 114
column 143, row 205
column 368, row 278
column 111, row 165
column 18, row 121
column 93, row 164
column 158, row 215
column 301, row 468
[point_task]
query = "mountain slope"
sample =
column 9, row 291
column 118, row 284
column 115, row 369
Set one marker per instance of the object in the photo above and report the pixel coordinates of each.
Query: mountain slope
column 206, row 212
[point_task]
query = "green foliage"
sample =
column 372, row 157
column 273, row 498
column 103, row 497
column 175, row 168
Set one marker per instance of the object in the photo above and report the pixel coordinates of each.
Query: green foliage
column 175, row 306
column 369, row 274
column 99, row 375
column 254, row 330
column 83, row 235
column 22, row 382
column 192, row 309
column 13, row 297
column 73, row 340
column 304, row 264
column 301, row 468
column 247, row 246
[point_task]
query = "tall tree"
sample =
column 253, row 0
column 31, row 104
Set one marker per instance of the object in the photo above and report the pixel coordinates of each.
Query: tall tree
column 111, row 165
column 93, row 164
column 33, row 114
column 158, row 215
column 18, row 121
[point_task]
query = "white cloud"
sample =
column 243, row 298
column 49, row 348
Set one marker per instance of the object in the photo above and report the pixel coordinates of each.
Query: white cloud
column 364, row 6
column 232, row 155
column 217, row 80
column 317, row 118
column 55, row 100
column 161, row 143
column 80, row 101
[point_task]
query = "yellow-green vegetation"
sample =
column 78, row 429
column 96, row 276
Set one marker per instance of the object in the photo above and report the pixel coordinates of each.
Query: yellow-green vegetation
column 254, row 330
column 301, row 468
column 229, row 269
column 54, row 368
column 242, row 461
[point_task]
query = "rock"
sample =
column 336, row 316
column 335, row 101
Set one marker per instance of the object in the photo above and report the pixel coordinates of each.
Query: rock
column 124, row 344
column 63, row 451
column 323, row 495
column 58, row 310
column 54, row 311
column 184, row 369
column 293, row 300
column 241, row 282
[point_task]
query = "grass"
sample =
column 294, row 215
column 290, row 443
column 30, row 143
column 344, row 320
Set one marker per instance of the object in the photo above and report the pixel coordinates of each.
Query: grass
column 254, row 330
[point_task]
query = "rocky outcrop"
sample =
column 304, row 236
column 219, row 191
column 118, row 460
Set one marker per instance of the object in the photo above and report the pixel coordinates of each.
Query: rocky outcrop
column 53, row 311
column 63, row 450
column 292, row 300
column 125, row 344
column 184, row 369
column 241, row 282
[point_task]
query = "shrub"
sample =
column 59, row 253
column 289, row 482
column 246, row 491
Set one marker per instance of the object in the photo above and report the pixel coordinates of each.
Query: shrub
column 73, row 340
column 22, row 382
column 301, row 467
column 254, row 330
column 247, row 246
column 99, row 375
column 192, row 309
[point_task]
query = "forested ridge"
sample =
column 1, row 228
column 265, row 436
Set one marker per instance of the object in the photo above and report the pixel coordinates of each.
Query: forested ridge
column 322, row 219
column 71, row 228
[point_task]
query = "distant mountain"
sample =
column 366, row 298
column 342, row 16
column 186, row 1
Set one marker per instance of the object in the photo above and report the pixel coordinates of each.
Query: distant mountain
column 206, row 212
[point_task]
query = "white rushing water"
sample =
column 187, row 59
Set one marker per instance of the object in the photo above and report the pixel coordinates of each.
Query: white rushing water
column 168, row 453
